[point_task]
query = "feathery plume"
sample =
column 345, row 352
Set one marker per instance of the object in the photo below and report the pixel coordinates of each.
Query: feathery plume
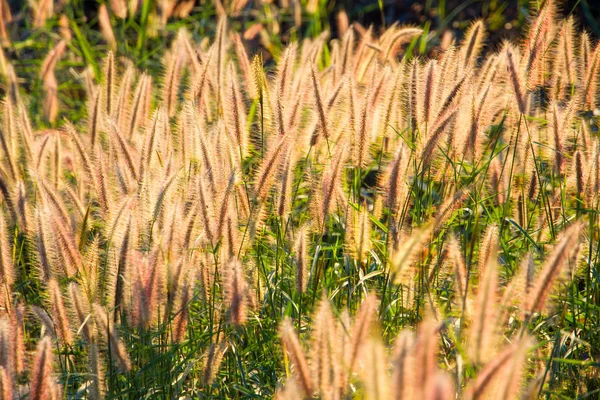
column 483, row 329
column 43, row 245
column 292, row 345
column 301, row 257
column 507, row 364
column 360, row 330
column 181, row 317
column 471, row 47
column 552, row 269
column 109, row 84
column 106, row 28
column 61, row 322
column 41, row 380
column 324, row 353
column 515, row 80
column 402, row 385
column 49, row 80
column 329, row 185
column 319, row 103
column 138, row 104
column 269, row 167
column 81, row 311
column 535, row 43
column 402, row 36
column 236, row 292
column 7, row 270
column 6, row 384
column 171, row 83
column 237, row 112
column 590, row 87
column 374, row 374
column 117, row 347
column 286, row 177
column 213, row 358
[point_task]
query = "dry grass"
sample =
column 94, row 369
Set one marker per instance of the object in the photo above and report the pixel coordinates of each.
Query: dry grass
column 449, row 206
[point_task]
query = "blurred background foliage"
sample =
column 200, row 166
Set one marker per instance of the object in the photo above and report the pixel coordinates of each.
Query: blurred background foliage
column 139, row 31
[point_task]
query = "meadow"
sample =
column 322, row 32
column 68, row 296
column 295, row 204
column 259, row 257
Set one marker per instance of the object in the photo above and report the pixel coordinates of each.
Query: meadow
column 351, row 212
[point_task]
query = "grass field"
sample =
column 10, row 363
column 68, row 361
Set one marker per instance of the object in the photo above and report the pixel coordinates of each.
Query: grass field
column 238, row 200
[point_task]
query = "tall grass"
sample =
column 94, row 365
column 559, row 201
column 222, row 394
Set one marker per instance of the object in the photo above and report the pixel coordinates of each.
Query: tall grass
column 348, row 222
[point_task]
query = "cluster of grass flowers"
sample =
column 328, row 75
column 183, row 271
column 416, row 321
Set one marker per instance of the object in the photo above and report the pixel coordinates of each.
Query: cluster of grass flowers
column 350, row 222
